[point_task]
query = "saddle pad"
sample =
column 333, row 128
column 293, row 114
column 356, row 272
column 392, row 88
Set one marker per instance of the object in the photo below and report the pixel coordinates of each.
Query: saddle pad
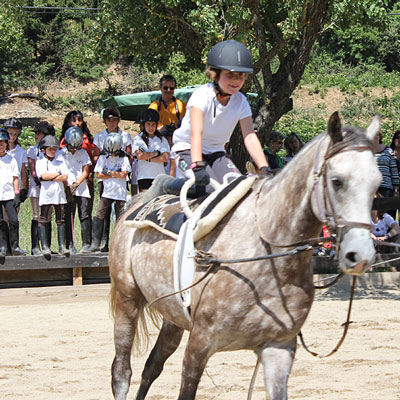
column 165, row 214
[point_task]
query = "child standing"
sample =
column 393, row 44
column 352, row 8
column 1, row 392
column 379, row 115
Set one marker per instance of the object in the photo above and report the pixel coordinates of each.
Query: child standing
column 41, row 129
column 78, row 163
column 113, row 168
column 111, row 118
column 151, row 149
column 14, row 128
column 9, row 198
column 52, row 175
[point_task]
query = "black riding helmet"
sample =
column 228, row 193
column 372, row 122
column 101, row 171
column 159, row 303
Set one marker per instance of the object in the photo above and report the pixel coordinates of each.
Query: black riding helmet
column 4, row 134
column 12, row 123
column 232, row 56
column 48, row 141
column 149, row 115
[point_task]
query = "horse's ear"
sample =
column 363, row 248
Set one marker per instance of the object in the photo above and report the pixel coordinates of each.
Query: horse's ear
column 335, row 128
column 374, row 128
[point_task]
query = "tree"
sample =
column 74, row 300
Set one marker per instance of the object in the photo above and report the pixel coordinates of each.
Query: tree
column 280, row 33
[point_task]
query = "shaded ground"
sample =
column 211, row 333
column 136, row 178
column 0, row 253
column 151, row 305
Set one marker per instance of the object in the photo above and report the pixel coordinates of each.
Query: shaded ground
column 57, row 344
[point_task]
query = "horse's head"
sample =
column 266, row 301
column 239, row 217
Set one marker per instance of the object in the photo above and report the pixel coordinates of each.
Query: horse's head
column 346, row 180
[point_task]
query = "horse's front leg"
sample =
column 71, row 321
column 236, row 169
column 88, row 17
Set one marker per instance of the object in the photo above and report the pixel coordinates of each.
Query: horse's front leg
column 277, row 362
column 126, row 314
column 168, row 341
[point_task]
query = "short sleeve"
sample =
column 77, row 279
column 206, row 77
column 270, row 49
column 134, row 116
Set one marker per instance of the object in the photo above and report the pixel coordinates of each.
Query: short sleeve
column 126, row 166
column 164, row 146
column 14, row 167
column 100, row 164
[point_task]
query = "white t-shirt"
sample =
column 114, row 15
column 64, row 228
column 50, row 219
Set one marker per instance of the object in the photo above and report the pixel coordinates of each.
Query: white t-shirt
column 382, row 227
column 146, row 169
column 51, row 192
column 219, row 120
column 20, row 155
column 74, row 164
column 8, row 169
column 101, row 137
column 34, row 153
column 114, row 188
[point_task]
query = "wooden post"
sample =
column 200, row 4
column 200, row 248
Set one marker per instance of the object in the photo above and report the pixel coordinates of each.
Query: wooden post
column 77, row 276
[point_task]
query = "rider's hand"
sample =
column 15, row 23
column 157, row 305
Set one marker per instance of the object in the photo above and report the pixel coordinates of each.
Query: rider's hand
column 265, row 172
column 200, row 173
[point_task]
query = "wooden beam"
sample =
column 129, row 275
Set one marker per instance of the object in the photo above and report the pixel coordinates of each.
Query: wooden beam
column 18, row 263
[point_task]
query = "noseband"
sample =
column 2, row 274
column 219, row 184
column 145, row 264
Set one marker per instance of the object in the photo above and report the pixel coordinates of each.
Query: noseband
column 330, row 219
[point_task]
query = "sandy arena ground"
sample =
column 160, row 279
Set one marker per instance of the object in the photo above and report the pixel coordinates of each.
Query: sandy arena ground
column 56, row 343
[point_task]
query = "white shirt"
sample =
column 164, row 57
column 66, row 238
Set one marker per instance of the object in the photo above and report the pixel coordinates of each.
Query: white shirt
column 34, row 153
column 219, row 120
column 8, row 169
column 146, row 169
column 114, row 188
column 74, row 164
column 382, row 227
column 51, row 192
column 20, row 155
column 101, row 137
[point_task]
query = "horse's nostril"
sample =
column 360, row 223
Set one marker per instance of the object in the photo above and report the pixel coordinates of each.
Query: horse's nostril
column 351, row 256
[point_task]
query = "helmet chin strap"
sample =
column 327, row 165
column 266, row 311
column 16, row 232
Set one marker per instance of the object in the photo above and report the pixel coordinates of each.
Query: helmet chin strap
column 219, row 91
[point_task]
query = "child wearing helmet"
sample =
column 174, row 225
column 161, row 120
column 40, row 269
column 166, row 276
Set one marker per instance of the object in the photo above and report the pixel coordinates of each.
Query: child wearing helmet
column 212, row 113
column 77, row 163
column 9, row 198
column 113, row 168
column 151, row 149
column 14, row 128
column 111, row 118
column 41, row 129
column 52, row 174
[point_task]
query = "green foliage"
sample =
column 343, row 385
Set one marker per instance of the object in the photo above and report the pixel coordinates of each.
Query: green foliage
column 15, row 52
column 324, row 71
column 27, row 137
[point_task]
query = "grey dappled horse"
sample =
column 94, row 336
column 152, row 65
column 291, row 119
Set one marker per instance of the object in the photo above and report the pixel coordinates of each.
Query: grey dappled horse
column 259, row 305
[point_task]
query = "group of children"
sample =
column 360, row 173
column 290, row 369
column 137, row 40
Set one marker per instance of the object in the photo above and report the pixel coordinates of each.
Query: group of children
column 61, row 178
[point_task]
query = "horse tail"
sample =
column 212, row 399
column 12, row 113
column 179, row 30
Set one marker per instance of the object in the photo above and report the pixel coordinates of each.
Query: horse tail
column 142, row 337
column 145, row 315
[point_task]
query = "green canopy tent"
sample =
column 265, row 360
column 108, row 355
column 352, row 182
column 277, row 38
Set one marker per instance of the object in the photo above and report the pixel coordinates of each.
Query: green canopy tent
column 131, row 105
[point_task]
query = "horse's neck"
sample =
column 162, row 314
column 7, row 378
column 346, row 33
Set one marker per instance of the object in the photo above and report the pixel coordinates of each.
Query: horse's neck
column 287, row 214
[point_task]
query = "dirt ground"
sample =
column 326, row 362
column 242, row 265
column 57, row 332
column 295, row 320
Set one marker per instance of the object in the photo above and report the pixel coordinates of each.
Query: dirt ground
column 57, row 344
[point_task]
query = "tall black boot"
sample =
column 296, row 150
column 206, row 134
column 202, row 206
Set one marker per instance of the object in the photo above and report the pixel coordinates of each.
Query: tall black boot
column 48, row 233
column 35, row 239
column 106, row 233
column 62, row 249
column 14, row 242
column 97, row 233
column 86, row 232
column 44, row 241
column 3, row 238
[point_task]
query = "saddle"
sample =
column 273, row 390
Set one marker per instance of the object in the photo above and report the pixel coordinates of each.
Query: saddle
column 165, row 214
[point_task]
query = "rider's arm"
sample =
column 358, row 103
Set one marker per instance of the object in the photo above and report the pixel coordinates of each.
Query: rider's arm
column 252, row 142
column 196, row 123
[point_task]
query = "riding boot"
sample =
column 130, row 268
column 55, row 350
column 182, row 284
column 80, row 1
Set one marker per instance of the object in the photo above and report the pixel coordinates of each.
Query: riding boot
column 3, row 238
column 62, row 249
column 35, row 239
column 86, row 232
column 14, row 242
column 7, row 230
column 106, row 233
column 44, row 241
column 96, row 236
column 48, row 233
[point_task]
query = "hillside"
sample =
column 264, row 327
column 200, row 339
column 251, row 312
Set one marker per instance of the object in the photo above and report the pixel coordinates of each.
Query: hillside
column 306, row 103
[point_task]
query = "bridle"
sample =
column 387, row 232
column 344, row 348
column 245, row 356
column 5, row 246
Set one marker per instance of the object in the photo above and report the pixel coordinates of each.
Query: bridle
column 326, row 210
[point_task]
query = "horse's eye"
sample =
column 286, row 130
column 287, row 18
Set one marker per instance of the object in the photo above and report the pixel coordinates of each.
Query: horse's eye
column 337, row 183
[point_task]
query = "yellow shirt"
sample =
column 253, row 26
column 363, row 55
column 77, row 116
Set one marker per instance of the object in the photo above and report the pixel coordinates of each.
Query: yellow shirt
column 168, row 115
